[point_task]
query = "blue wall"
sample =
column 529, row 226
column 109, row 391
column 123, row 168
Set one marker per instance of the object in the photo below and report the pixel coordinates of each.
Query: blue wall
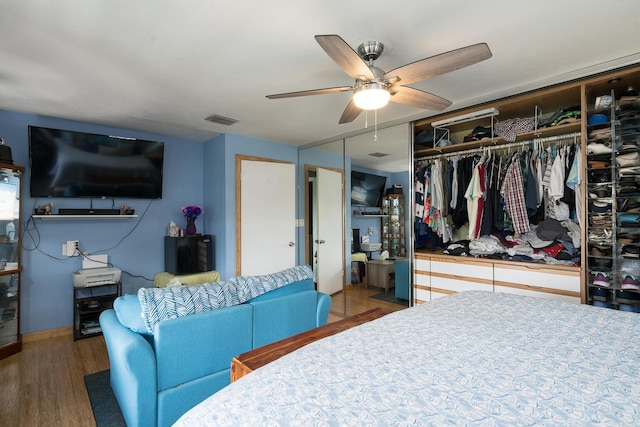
column 136, row 246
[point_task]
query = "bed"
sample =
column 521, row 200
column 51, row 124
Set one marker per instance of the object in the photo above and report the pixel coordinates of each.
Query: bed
column 472, row 358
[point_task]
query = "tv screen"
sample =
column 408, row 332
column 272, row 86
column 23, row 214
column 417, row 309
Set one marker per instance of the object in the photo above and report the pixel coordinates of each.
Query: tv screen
column 367, row 189
column 77, row 164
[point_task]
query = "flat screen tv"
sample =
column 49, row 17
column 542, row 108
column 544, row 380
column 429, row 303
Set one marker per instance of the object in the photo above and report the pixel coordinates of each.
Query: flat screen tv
column 367, row 189
column 76, row 164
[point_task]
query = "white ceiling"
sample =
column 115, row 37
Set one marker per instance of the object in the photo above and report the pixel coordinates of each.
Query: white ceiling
column 162, row 66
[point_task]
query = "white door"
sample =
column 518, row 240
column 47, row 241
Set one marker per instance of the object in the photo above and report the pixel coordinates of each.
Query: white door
column 267, row 219
column 330, row 231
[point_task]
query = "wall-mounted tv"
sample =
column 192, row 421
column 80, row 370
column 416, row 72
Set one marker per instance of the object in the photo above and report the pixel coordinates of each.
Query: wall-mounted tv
column 367, row 189
column 76, row 164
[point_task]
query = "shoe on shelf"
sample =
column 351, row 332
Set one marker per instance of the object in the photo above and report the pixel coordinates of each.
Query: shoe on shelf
column 602, row 280
column 630, row 282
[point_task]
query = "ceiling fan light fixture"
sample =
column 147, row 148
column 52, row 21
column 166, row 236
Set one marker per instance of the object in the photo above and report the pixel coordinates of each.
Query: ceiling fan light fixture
column 371, row 95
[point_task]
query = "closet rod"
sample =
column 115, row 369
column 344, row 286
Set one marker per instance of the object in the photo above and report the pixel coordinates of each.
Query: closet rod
column 575, row 136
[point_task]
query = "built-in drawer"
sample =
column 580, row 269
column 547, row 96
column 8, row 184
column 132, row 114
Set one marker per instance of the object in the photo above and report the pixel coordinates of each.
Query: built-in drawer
column 422, row 265
column 560, row 284
column 422, row 278
column 461, row 275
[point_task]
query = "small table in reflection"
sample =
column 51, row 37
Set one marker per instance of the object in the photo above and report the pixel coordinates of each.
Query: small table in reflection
column 379, row 273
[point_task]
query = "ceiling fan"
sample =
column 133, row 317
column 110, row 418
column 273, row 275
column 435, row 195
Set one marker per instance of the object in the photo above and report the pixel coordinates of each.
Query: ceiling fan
column 373, row 87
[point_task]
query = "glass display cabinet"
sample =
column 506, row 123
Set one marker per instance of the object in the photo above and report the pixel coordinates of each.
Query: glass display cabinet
column 10, row 267
column 393, row 225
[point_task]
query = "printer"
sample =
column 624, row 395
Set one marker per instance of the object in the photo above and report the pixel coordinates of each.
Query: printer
column 87, row 277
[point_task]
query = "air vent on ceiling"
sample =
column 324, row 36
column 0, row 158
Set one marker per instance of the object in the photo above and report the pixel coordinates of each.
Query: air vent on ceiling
column 221, row 120
column 378, row 154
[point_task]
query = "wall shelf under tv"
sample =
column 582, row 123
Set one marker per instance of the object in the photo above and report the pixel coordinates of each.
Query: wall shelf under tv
column 77, row 217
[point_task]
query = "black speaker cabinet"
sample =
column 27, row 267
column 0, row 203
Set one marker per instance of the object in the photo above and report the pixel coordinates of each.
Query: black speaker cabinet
column 355, row 240
column 189, row 254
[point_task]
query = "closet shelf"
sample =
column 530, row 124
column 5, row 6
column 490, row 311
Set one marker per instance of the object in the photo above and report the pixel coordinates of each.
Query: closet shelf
column 540, row 133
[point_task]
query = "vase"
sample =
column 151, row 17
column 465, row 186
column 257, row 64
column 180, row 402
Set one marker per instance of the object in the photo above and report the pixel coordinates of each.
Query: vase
column 191, row 227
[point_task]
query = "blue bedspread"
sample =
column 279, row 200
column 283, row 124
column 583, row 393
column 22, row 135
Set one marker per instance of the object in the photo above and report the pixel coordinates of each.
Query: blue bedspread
column 473, row 358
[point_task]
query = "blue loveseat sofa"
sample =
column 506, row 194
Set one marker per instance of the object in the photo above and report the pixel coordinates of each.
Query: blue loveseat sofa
column 165, row 358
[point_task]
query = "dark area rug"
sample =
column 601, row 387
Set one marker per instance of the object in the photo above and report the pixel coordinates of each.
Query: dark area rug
column 390, row 297
column 105, row 407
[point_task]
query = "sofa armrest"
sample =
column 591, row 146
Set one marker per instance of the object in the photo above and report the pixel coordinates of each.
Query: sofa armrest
column 323, row 306
column 133, row 371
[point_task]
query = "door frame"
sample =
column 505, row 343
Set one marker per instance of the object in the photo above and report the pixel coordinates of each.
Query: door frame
column 239, row 159
column 308, row 256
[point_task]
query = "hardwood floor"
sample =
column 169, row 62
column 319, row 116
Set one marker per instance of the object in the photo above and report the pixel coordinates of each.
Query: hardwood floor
column 44, row 384
column 358, row 301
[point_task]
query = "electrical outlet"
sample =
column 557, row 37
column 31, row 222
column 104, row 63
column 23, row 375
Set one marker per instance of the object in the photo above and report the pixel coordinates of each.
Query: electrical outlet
column 73, row 248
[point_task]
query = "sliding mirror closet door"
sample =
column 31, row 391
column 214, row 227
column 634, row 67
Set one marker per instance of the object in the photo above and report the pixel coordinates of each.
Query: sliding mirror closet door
column 386, row 222
column 386, row 154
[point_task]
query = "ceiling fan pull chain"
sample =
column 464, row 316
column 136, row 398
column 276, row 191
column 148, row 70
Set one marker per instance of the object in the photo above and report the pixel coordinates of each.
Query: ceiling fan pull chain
column 366, row 119
column 375, row 125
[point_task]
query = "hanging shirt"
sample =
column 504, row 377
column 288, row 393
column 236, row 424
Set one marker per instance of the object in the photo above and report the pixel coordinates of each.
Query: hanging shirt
column 513, row 193
column 557, row 209
column 420, row 194
column 454, row 183
column 473, row 196
column 539, row 166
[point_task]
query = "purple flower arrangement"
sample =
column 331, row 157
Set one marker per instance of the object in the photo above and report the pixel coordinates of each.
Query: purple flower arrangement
column 192, row 212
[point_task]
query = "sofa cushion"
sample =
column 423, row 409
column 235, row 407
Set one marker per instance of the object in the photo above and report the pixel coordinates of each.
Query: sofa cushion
column 129, row 313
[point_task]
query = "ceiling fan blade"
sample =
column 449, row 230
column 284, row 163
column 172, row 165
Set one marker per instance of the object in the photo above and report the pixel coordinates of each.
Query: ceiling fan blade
column 311, row 92
column 350, row 113
column 418, row 98
column 440, row 64
column 343, row 55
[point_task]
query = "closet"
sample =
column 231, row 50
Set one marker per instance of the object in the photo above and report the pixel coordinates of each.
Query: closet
column 497, row 206
column 543, row 131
